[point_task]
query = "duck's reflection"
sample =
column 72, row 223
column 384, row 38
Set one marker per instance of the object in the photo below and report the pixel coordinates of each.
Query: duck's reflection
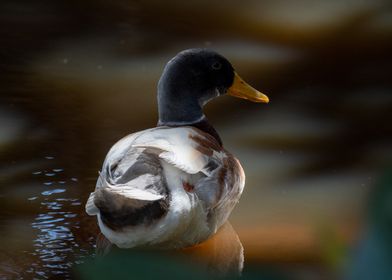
column 221, row 255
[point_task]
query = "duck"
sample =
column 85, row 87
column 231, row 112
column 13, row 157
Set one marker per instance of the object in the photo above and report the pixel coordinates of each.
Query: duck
column 174, row 185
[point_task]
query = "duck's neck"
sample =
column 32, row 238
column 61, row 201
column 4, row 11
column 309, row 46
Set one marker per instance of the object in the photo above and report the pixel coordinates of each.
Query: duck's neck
column 177, row 112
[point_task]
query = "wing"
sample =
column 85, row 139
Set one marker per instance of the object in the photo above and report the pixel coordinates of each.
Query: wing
column 194, row 152
column 134, row 162
column 129, row 177
column 187, row 148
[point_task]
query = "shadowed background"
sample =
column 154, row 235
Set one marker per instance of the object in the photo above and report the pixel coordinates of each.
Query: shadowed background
column 78, row 75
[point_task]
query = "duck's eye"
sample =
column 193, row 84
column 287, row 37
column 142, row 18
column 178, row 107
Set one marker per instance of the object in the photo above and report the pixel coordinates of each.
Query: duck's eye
column 216, row 66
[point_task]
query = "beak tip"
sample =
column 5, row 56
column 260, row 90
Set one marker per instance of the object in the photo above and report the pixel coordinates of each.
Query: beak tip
column 264, row 99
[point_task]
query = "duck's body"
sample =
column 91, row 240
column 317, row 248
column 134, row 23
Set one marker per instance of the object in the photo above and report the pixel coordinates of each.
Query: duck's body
column 172, row 186
column 190, row 179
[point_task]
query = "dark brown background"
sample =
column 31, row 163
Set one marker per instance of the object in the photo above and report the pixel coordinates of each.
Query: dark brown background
column 78, row 75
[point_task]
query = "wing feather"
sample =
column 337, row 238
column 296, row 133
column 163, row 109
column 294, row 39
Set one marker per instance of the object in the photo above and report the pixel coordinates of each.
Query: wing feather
column 187, row 148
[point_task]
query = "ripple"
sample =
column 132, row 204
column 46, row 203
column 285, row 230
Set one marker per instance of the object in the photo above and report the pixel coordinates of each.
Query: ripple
column 57, row 170
column 37, row 224
column 55, row 244
column 52, row 205
column 54, row 191
column 43, row 217
column 70, row 215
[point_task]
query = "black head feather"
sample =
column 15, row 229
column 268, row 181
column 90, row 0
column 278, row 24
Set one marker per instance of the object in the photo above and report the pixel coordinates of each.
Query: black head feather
column 191, row 79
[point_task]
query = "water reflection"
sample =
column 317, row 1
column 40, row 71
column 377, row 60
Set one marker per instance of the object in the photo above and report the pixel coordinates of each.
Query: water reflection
column 55, row 248
column 55, row 244
column 220, row 256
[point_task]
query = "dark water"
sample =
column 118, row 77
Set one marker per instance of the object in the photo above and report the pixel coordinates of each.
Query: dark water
column 76, row 77
column 42, row 225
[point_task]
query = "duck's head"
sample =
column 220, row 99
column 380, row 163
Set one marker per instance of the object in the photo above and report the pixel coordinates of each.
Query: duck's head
column 194, row 77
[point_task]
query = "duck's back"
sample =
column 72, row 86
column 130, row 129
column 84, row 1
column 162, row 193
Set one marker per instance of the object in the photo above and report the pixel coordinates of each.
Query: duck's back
column 162, row 183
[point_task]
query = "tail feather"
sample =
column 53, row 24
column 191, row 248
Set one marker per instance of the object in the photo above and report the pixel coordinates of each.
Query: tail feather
column 134, row 193
column 91, row 209
column 121, row 193
column 124, row 205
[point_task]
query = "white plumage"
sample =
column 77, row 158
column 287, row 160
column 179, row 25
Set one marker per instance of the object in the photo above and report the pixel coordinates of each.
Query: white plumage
column 192, row 180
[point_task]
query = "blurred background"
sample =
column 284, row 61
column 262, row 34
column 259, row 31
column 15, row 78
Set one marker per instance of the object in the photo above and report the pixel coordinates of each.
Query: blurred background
column 76, row 76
